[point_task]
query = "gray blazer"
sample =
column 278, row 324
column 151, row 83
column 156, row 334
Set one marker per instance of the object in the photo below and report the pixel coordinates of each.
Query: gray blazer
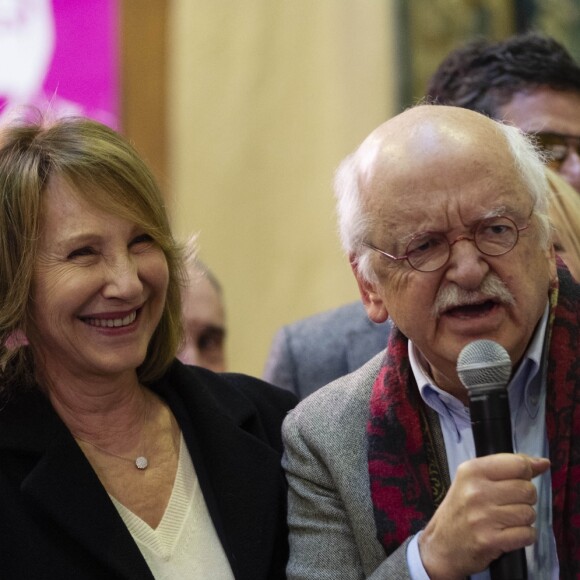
column 330, row 513
column 317, row 350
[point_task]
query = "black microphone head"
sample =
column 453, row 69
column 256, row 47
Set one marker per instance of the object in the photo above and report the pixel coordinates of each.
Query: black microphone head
column 484, row 365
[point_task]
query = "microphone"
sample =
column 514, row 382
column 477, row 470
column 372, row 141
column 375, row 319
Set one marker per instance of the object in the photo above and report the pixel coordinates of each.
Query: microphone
column 484, row 368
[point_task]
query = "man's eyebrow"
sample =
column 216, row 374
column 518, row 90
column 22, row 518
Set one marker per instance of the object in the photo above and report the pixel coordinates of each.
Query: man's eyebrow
column 496, row 211
column 500, row 210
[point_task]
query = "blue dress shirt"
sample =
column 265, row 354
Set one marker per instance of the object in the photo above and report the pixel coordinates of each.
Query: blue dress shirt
column 527, row 398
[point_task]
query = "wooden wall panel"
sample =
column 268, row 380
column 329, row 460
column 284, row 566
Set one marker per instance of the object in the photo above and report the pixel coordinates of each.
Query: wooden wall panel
column 143, row 48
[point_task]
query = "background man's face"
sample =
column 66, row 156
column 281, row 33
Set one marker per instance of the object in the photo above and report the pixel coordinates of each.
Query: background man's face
column 549, row 111
column 204, row 325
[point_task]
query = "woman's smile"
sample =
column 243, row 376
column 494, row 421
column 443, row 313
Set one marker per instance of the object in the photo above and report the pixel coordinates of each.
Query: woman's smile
column 107, row 321
column 99, row 288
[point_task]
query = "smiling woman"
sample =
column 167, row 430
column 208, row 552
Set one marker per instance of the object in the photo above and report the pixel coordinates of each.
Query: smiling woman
column 93, row 164
column 99, row 292
column 106, row 440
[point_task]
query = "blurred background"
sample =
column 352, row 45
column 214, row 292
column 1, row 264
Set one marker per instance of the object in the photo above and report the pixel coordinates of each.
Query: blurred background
column 244, row 109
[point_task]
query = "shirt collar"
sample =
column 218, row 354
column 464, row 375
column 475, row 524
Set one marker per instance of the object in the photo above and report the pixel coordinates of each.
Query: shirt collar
column 527, row 381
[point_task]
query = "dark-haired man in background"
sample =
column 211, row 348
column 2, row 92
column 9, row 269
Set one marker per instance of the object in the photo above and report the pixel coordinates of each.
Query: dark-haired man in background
column 530, row 81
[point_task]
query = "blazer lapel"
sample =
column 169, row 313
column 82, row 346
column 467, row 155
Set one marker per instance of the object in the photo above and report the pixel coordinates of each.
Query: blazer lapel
column 233, row 466
column 61, row 484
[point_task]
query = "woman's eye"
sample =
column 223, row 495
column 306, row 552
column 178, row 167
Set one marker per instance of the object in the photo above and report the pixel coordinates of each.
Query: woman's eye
column 80, row 252
column 142, row 240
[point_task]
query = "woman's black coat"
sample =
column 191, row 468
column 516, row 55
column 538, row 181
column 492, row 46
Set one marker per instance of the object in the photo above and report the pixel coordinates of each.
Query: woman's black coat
column 57, row 521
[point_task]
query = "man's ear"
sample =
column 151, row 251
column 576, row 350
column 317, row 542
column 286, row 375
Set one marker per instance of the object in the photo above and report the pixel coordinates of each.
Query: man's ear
column 373, row 303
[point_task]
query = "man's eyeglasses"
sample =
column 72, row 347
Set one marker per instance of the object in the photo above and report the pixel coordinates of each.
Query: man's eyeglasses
column 557, row 146
column 430, row 251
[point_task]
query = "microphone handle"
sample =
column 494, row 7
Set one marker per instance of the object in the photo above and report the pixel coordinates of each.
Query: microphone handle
column 492, row 433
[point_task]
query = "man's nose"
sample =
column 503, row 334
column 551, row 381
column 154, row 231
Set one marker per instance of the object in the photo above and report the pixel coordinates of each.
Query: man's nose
column 466, row 266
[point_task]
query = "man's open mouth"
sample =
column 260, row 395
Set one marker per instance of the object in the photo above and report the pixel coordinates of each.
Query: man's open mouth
column 472, row 310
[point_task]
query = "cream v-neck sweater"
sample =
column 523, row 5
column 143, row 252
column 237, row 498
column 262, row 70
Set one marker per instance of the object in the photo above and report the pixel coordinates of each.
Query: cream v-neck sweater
column 185, row 544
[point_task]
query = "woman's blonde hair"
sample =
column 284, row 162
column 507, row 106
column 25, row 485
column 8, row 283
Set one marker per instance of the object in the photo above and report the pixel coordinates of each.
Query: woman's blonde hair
column 565, row 218
column 103, row 168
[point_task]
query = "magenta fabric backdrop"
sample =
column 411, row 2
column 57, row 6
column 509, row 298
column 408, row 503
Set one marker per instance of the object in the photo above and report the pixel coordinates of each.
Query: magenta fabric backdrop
column 60, row 57
column 84, row 67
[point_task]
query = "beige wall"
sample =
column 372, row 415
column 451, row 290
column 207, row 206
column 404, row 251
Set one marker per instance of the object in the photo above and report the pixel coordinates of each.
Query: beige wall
column 265, row 97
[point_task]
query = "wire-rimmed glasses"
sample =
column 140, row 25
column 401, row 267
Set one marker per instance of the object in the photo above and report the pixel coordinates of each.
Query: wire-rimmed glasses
column 557, row 146
column 429, row 251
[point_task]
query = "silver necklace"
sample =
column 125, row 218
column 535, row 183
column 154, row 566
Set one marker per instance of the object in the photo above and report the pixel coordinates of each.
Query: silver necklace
column 141, row 462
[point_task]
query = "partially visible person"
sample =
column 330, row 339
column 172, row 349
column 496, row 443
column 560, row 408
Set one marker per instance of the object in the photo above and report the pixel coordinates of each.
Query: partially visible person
column 528, row 80
column 312, row 352
column 116, row 460
column 203, row 315
column 444, row 215
column 565, row 217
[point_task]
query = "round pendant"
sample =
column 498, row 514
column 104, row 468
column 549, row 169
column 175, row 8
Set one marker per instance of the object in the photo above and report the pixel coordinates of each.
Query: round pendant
column 141, row 462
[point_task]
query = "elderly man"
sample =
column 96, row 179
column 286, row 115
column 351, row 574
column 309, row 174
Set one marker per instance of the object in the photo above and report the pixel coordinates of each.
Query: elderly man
column 529, row 80
column 444, row 215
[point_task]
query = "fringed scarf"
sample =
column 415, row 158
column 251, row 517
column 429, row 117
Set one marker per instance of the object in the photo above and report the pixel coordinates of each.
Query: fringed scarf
column 407, row 473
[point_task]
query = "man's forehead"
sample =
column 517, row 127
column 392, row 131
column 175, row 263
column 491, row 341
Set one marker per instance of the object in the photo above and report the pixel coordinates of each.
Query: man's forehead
column 444, row 174
column 474, row 202
column 472, row 190
column 423, row 135
column 429, row 164
column 544, row 109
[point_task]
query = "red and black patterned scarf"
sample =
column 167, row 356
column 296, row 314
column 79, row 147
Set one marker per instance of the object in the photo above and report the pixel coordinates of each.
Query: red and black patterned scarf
column 407, row 482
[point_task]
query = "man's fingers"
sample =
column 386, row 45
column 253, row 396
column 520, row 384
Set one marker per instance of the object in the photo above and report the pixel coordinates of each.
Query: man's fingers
column 505, row 466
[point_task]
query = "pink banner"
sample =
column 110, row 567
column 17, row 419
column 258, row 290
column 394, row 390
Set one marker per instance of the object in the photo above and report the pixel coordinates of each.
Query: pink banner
column 60, row 56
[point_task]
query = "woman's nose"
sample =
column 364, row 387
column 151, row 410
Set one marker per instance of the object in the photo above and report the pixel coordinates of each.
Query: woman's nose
column 122, row 279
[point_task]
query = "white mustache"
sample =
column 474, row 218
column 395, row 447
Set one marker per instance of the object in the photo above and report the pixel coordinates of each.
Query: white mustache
column 492, row 288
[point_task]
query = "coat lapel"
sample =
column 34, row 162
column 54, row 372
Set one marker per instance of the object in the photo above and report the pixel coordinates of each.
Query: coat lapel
column 239, row 474
column 62, row 486
column 233, row 465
